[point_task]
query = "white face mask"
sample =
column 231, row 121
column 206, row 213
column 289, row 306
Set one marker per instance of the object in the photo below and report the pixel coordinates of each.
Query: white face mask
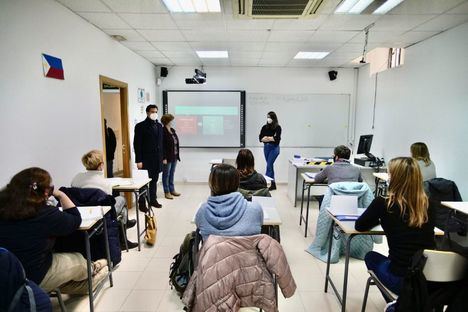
column 269, row 120
column 153, row 116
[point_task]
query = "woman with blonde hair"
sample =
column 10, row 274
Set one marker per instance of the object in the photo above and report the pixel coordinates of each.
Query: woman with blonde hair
column 405, row 216
column 420, row 152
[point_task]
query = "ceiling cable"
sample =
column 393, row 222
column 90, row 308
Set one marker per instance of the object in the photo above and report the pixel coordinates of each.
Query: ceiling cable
column 366, row 30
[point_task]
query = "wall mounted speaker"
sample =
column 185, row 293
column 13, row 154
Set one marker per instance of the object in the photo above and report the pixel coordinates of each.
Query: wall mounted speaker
column 332, row 74
column 164, row 72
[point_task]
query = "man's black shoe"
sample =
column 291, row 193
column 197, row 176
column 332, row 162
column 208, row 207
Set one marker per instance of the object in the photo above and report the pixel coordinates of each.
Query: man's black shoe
column 130, row 244
column 156, row 204
column 272, row 186
column 131, row 223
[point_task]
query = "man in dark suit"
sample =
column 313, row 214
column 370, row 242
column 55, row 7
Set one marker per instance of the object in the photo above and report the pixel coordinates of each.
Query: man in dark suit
column 111, row 144
column 148, row 145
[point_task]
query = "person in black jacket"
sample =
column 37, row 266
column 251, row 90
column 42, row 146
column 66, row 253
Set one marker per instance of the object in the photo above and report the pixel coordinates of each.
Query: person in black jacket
column 148, row 146
column 249, row 178
column 28, row 227
column 270, row 136
column 170, row 156
column 111, row 144
column 407, row 219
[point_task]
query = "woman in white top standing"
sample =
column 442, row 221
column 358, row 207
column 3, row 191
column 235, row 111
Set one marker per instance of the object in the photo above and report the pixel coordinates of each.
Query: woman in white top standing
column 94, row 178
column 420, row 152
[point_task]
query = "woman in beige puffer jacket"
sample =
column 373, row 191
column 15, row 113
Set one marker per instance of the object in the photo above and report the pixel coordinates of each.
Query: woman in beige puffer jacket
column 235, row 272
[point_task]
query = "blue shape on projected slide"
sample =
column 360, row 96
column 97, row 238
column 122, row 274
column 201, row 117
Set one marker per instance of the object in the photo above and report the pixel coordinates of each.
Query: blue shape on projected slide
column 213, row 125
column 207, row 110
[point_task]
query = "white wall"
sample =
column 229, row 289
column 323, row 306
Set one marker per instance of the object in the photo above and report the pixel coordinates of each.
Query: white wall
column 194, row 165
column 47, row 122
column 424, row 100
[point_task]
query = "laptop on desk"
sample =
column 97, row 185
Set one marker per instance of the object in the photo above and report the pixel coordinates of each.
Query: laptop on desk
column 344, row 207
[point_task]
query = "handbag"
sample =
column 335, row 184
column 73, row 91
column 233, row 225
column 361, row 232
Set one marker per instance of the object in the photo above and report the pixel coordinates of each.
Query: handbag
column 151, row 228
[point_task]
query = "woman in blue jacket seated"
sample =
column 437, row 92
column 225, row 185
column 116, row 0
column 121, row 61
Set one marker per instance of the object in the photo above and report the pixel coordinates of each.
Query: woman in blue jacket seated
column 29, row 226
column 407, row 219
column 227, row 212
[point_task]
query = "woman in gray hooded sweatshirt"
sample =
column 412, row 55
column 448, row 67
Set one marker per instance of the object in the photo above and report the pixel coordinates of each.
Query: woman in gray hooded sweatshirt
column 227, row 212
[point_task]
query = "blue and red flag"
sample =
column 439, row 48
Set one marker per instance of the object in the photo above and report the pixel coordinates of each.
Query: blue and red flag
column 52, row 66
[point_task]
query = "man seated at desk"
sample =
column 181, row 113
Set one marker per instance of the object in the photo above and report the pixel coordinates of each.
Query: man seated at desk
column 341, row 170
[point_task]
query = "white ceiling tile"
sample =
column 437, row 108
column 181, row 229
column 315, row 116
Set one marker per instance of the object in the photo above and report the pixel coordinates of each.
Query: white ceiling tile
column 333, row 36
column 180, row 54
column 460, row 9
column 283, row 46
column 246, row 46
column 149, row 21
column 348, row 22
column 424, row 6
column 413, row 37
column 284, row 55
column 247, row 24
column 171, row 46
column 376, row 36
column 206, row 45
column 247, row 36
column 129, row 34
column 321, row 46
column 290, row 36
column 274, row 63
column 185, row 61
column 304, row 63
column 443, row 22
column 139, row 45
column 400, row 22
column 312, row 23
column 162, row 35
column 136, row 6
column 151, row 54
column 245, row 54
column 85, row 5
column 214, row 61
column 105, row 20
column 244, row 61
column 205, row 35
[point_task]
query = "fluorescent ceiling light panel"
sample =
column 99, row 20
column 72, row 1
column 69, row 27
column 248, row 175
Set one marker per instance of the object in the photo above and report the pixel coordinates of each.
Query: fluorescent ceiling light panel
column 360, row 6
column 345, row 6
column 212, row 54
column 190, row 6
column 310, row 55
column 387, row 6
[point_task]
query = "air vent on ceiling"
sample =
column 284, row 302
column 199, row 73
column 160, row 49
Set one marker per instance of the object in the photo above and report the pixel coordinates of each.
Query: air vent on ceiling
column 276, row 8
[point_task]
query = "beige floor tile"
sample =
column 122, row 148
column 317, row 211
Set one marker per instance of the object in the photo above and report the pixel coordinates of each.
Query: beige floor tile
column 143, row 300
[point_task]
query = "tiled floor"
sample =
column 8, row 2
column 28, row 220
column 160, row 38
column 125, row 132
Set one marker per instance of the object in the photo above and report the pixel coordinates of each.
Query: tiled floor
column 141, row 280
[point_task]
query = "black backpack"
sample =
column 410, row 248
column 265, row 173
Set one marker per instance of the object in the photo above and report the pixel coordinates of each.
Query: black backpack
column 183, row 264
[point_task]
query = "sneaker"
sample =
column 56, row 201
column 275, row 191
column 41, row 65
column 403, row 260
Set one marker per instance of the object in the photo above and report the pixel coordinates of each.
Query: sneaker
column 168, row 196
column 99, row 265
column 131, row 245
column 391, row 306
column 156, row 204
column 131, row 223
column 174, row 193
column 142, row 205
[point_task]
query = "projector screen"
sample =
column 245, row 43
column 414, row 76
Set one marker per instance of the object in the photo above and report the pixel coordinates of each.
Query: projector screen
column 207, row 118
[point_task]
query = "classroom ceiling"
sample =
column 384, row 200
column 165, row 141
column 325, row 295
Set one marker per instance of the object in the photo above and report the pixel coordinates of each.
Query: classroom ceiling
column 172, row 38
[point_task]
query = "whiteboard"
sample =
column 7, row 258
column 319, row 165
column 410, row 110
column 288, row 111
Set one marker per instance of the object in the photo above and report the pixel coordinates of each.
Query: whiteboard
column 307, row 120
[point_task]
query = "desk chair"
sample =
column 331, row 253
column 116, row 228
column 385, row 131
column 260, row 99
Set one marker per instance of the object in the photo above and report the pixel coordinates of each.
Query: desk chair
column 441, row 266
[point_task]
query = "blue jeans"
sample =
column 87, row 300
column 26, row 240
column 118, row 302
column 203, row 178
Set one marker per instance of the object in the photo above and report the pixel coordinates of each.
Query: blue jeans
column 381, row 267
column 271, row 152
column 168, row 176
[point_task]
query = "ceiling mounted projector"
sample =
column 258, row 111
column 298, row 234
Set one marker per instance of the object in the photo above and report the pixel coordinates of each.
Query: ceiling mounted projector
column 198, row 78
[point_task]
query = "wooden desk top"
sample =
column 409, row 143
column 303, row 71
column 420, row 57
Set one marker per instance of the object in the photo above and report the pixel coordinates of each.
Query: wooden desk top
column 381, row 175
column 128, row 184
column 348, row 228
column 458, row 206
column 87, row 223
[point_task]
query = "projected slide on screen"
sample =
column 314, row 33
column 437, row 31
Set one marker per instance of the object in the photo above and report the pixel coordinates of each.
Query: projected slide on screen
column 207, row 118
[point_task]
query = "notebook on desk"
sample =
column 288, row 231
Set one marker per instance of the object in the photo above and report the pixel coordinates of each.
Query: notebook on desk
column 311, row 174
column 90, row 213
column 345, row 208
column 119, row 181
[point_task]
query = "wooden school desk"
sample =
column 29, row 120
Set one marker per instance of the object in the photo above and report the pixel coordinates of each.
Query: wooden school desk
column 90, row 225
column 139, row 187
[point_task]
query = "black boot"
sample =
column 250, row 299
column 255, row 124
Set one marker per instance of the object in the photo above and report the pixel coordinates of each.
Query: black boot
column 272, row 186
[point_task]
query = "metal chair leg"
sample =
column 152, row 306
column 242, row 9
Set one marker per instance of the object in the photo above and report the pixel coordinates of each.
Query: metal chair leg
column 124, row 234
column 366, row 294
column 60, row 300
